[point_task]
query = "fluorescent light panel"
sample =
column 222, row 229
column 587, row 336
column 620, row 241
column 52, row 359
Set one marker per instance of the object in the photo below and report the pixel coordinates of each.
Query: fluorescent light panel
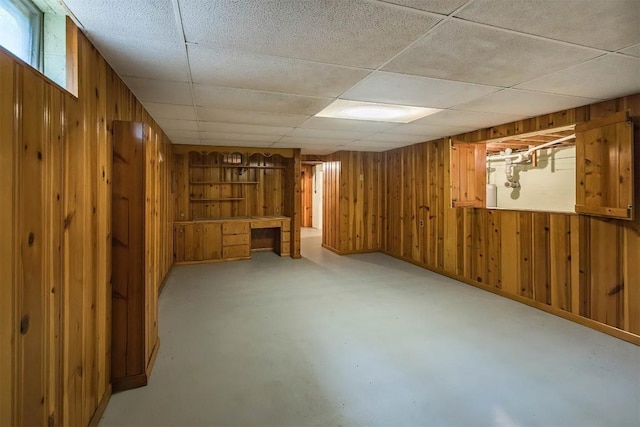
column 374, row 111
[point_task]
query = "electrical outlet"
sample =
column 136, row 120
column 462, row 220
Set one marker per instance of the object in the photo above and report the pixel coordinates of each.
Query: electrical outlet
column 422, row 223
column 361, row 177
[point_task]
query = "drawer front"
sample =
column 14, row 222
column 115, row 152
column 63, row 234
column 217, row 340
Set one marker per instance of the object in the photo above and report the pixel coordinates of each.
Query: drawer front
column 239, row 251
column 272, row 223
column 286, row 225
column 236, row 239
column 284, row 249
column 235, row 227
column 286, row 236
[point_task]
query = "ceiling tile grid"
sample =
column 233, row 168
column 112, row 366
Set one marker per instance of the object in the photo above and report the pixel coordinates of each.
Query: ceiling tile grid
column 356, row 33
column 255, row 72
column 467, row 52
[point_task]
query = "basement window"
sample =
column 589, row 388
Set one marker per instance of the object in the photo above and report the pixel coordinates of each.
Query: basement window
column 36, row 32
column 21, row 25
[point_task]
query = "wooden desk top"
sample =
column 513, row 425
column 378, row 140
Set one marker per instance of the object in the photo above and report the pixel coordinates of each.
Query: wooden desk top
column 236, row 219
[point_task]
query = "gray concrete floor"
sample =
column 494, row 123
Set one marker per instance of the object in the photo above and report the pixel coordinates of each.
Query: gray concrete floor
column 369, row 340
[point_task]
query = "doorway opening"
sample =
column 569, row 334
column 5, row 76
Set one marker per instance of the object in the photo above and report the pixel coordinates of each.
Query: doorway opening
column 311, row 189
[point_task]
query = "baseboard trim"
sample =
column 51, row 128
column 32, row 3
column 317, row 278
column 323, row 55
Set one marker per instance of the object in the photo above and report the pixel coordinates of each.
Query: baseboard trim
column 139, row 380
column 97, row 414
column 164, row 281
column 152, row 358
column 600, row 327
column 364, row 251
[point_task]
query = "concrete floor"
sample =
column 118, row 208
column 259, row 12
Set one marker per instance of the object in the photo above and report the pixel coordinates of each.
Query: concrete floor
column 369, row 340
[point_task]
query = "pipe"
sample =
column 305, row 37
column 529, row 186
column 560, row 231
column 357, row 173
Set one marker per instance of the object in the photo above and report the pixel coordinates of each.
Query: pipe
column 523, row 156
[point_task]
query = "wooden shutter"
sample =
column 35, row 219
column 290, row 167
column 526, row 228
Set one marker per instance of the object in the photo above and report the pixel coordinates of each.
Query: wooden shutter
column 468, row 174
column 604, row 167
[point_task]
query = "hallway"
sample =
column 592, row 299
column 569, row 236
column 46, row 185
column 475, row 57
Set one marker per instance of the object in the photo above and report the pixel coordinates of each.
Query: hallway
column 369, row 340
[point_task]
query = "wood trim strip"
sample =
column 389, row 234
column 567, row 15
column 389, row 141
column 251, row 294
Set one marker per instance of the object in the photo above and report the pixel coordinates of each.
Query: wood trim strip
column 102, row 405
column 622, row 116
column 604, row 211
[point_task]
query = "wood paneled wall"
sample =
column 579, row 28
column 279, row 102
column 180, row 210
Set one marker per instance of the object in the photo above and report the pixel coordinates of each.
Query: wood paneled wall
column 584, row 268
column 55, row 219
column 352, row 183
column 306, row 190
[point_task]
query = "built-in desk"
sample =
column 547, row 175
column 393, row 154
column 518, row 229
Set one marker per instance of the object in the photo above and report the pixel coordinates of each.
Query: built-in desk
column 226, row 239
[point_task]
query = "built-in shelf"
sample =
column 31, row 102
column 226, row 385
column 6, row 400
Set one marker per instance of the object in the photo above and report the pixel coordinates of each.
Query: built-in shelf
column 236, row 167
column 219, row 199
column 224, row 182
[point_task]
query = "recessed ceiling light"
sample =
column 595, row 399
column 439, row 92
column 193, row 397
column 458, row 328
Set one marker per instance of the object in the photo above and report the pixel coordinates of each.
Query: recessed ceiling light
column 374, row 111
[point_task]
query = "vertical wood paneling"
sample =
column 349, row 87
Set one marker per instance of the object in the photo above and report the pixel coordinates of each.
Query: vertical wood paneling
column 8, row 218
column 352, row 207
column 306, row 191
column 572, row 263
column 55, row 170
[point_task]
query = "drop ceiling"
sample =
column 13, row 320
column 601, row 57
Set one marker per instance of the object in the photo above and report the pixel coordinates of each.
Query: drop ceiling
column 255, row 72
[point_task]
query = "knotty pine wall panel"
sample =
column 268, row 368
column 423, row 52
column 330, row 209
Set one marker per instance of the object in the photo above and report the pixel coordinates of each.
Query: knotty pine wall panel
column 586, row 268
column 306, row 191
column 55, row 217
column 352, row 202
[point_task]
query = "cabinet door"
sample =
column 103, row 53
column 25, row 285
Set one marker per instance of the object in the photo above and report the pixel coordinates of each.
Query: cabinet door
column 468, row 166
column 211, row 241
column 193, row 242
column 604, row 167
column 178, row 243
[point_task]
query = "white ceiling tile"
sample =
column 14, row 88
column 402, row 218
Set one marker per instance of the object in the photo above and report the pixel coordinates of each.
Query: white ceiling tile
column 161, row 91
column 383, row 146
column 250, row 117
column 243, row 128
column 393, row 88
column 328, row 134
column 605, row 77
column 232, row 68
column 312, row 141
column 395, row 138
column 170, row 111
column 428, row 131
column 610, row 24
column 348, row 125
column 437, row 6
column 144, row 20
column 174, row 124
column 239, row 137
column 231, row 143
column 319, row 147
column 158, row 59
column 317, row 151
column 468, row 52
column 355, row 32
column 472, row 119
column 185, row 141
column 632, row 50
column 180, row 134
column 253, row 100
column 524, row 103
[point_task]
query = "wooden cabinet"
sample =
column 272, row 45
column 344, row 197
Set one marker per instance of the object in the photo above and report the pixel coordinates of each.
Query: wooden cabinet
column 134, row 342
column 197, row 241
column 468, row 167
column 236, row 243
column 604, row 167
column 227, row 240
